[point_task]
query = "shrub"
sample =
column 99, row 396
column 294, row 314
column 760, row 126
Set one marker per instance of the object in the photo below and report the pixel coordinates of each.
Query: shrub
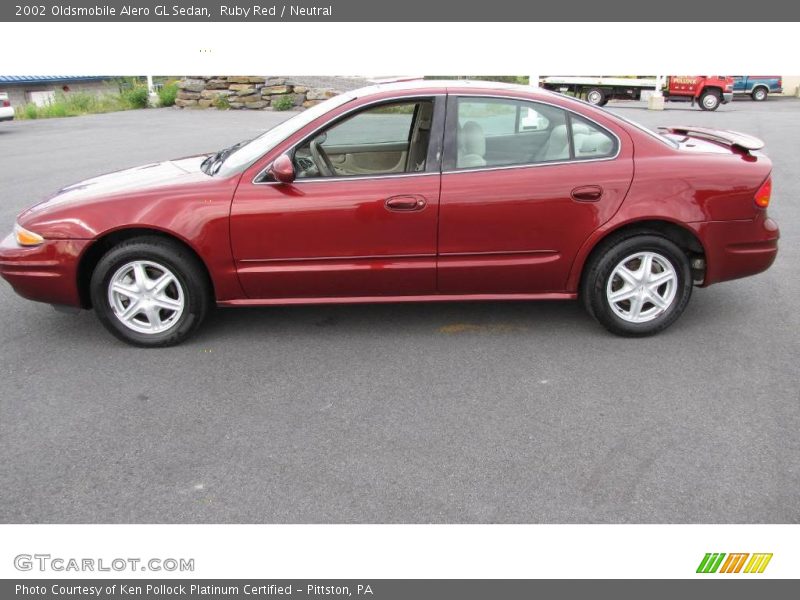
column 167, row 94
column 77, row 102
column 70, row 105
column 55, row 109
column 135, row 96
column 133, row 93
column 29, row 111
column 283, row 102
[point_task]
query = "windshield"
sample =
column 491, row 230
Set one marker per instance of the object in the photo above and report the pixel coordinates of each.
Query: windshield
column 243, row 156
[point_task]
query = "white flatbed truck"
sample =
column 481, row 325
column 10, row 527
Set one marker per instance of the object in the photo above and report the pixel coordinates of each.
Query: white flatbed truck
column 599, row 90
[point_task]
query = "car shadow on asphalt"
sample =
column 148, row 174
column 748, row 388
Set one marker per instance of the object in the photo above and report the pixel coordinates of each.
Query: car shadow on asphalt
column 544, row 320
column 445, row 318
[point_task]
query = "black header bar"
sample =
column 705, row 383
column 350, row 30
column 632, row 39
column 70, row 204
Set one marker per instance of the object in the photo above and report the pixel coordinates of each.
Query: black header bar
column 495, row 11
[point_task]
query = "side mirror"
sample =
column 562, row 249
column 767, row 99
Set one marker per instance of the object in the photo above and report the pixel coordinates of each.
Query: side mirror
column 282, row 169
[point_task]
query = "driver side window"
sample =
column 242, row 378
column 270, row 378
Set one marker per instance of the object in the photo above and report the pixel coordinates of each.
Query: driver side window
column 387, row 139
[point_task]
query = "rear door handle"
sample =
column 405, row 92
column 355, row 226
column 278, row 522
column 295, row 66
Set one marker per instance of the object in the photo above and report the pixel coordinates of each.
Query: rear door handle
column 407, row 202
column 587, row 193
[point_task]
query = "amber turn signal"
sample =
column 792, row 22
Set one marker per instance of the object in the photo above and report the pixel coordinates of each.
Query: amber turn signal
column 27, row 238
column 764, row 193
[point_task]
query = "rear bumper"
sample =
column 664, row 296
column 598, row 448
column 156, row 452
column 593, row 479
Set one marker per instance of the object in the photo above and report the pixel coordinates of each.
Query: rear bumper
column 736, row 249
column 45, row 273
column 6, row 113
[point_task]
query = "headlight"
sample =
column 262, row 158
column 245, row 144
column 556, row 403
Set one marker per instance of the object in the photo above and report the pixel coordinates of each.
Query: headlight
column 25, row 237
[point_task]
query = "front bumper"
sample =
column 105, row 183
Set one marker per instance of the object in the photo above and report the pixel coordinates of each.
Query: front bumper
column 727, row 97
column 44, row 273
column 736, row 249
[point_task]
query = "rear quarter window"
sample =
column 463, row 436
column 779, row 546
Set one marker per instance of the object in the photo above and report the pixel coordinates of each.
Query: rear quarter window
column 589, row 140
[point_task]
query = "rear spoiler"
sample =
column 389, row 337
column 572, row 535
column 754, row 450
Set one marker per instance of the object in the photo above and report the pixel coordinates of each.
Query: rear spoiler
column 734, row 139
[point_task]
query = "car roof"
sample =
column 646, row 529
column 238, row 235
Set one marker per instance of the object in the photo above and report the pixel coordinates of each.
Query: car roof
column 428, row 84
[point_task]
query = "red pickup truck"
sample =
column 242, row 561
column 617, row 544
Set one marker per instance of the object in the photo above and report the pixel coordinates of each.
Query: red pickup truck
column 709, row 91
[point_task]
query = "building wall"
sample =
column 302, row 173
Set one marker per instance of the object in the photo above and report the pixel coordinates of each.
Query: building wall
column 790, row 84
column 19, row 94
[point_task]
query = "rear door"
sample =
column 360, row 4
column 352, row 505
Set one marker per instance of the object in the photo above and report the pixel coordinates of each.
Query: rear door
column 523, row 186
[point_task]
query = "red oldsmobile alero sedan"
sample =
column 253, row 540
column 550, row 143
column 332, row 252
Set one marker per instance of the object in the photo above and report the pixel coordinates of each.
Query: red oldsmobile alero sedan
column 413, row 191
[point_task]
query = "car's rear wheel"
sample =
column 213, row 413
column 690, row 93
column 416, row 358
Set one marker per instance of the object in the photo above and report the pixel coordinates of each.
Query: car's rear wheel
column 759, row 94
column 710, row 100
column 596, row 96
column 638, row 286
column 150, row 292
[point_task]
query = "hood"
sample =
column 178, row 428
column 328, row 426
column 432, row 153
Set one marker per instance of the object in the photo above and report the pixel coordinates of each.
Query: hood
column 138, row 181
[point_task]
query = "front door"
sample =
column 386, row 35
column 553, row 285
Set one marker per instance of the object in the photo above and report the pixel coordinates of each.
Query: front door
column 359, row 220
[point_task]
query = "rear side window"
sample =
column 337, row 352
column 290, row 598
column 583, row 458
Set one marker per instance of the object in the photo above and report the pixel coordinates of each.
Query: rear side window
column 502, row 132
column 590, row 140
column 494, row 132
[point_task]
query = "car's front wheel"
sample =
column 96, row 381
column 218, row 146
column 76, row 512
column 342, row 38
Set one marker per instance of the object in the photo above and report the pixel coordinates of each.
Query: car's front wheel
column 150, row 292
column 638, row 286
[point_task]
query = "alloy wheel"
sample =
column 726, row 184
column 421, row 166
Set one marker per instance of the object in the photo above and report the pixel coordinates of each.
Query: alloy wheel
column 146, row 297
column 642, row 287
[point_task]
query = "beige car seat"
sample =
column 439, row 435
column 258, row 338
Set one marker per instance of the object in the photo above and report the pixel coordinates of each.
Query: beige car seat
column 471, row 146
column 557, row 145
column 593, row 144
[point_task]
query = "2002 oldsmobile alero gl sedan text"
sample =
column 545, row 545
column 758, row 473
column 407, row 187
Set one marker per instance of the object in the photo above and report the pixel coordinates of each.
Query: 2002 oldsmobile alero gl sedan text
column 409, row 191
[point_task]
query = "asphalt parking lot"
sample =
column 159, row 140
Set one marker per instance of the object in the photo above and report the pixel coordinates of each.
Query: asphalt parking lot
column 445, row 413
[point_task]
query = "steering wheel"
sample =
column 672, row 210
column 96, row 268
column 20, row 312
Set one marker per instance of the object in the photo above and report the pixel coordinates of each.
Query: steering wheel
column 320, row 157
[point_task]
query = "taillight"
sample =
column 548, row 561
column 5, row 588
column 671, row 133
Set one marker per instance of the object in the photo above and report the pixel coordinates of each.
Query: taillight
column 763, row 194
column 6, row 103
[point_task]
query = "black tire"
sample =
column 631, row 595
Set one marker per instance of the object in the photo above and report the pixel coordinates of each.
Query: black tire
column 759, row 94
column 596, row 97
column 188, row 272
column 601, row 267
column 710, row 100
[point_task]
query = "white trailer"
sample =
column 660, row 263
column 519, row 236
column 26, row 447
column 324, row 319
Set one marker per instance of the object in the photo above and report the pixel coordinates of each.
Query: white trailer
column 599, row 90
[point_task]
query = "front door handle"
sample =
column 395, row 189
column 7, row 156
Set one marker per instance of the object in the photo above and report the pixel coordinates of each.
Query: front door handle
column 587, row 193
column 405, row 203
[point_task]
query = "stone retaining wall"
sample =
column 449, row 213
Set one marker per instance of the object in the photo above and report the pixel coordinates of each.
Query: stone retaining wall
column 247, row 92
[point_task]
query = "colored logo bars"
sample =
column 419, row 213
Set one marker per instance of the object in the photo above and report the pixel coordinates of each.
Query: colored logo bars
column 734, row 562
